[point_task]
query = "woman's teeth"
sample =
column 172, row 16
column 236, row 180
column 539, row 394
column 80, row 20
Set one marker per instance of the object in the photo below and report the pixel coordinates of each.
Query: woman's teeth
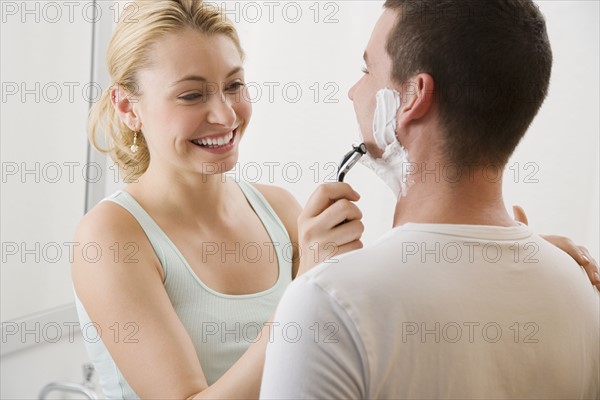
column 215, row 142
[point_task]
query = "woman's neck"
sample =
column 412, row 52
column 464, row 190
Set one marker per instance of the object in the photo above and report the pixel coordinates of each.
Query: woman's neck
column 185, row 195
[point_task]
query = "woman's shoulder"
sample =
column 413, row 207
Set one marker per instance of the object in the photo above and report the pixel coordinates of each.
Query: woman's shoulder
column 287, row 209
column 107, row 219
column 275, row 194
column 283, row 202
column 111, row 228
column 110, row 237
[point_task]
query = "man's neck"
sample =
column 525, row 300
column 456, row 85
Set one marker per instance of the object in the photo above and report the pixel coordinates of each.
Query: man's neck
column 475, row 199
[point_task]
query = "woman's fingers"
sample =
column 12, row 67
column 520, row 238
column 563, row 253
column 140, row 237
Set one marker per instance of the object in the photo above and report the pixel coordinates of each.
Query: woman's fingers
column 590, row 265
column 344, row 234
column 329, row 225
column 580, row 254
column 327, row 194
column 335, row 242
column 520, row 215
column 338, row 228
column 339, row 212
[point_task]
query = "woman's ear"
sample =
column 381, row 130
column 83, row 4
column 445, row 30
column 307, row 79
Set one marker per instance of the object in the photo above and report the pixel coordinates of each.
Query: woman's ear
column 417, row 99
column 123, row 104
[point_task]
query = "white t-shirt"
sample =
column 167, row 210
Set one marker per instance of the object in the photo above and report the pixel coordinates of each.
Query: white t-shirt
column 439, row 311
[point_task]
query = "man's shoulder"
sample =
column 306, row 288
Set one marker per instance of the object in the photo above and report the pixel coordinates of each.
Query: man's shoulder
column 415, row 252
column 382, row 253
column 358, row 271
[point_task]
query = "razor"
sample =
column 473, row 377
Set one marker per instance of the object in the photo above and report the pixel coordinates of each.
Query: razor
column 350, row 160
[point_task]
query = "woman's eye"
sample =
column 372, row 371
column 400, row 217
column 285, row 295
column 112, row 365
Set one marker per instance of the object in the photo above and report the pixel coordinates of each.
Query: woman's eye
column 365, row 70
column 236, row 86
column 191, row 96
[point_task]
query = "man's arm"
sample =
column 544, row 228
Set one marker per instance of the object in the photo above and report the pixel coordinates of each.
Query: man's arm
column 315, row 351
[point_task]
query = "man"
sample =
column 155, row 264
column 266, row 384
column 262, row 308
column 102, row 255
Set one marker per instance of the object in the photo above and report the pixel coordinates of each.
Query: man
column 459, row 300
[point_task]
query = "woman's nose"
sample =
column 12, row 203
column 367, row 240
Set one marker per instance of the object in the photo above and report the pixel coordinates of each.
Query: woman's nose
column 351, row 92
column 221, row 111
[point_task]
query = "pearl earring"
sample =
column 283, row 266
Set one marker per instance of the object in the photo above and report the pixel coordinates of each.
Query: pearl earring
column 134, row 147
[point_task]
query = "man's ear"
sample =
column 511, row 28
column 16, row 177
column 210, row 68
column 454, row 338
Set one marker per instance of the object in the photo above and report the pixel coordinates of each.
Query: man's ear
column 417, row 99
column 123, row 104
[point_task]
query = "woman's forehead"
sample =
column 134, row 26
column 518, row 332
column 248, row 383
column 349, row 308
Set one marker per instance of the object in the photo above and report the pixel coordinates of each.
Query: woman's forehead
column 184, row 53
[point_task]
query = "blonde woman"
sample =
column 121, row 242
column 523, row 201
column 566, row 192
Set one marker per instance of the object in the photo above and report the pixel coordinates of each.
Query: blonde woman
column 180, row 313
column 171, row 310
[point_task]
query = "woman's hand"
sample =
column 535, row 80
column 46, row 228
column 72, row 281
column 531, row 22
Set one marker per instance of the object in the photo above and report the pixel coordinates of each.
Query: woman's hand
column 329, row 225
column 579, row 253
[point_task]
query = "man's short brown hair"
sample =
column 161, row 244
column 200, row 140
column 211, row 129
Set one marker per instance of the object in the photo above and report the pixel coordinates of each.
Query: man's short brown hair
column 491, row 63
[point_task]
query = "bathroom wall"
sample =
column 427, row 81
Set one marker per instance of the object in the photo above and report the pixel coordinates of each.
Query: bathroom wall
column 46, row 59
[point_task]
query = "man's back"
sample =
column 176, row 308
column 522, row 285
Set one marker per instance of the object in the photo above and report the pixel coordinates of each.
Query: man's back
column 440, row 311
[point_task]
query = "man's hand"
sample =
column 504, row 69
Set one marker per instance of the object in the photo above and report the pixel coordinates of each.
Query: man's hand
column 579, row 253
column 329, row 225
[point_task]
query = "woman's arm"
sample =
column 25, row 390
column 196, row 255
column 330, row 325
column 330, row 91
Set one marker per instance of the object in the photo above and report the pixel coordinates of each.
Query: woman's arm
column 122, row 292
column 160, row 361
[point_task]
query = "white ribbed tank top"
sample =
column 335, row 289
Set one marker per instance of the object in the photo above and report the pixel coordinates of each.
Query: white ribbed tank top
column 221, row 326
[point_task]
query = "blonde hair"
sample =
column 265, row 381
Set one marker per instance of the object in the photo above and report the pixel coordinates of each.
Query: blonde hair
column 128, row 53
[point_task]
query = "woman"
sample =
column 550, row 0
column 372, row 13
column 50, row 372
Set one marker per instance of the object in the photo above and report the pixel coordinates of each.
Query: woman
column 192, row 264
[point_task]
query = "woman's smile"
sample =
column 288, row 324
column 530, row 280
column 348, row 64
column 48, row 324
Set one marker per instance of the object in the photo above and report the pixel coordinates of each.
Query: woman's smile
column 217, row 144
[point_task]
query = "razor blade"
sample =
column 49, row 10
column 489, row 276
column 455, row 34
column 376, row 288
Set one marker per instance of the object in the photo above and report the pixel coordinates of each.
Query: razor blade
column 350, row 160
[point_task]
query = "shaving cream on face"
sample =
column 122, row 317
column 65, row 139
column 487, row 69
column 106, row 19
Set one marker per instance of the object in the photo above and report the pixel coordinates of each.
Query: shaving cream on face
column 392, row 166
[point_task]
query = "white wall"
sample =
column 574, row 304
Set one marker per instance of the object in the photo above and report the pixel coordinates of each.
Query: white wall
column 43, row 131
column 562, row 145
column 45, row 66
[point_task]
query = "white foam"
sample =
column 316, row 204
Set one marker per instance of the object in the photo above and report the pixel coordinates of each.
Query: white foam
column 392, row 166
column 384, row 120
